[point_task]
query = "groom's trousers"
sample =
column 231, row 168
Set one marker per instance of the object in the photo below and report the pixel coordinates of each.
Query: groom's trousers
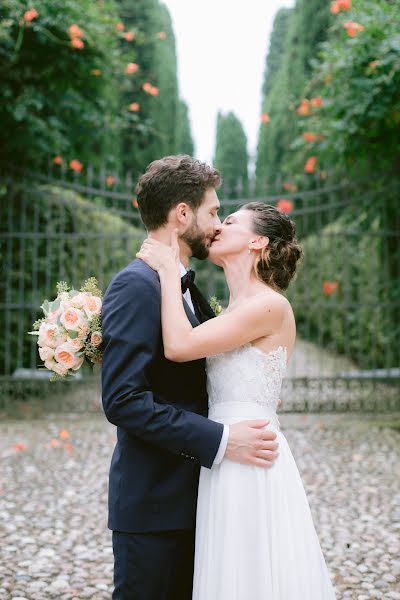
column 153, row 566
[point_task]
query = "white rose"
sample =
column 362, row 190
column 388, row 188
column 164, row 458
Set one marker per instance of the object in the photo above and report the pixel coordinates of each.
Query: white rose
column 77, row 344
column 78, row 301
column 60, row 369
column 53, row 316
column 78, row 362
column 49, row 334
column 50, row 364
column 46, row 353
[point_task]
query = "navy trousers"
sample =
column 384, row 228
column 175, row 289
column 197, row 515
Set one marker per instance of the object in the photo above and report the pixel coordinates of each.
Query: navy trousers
column 153, row 566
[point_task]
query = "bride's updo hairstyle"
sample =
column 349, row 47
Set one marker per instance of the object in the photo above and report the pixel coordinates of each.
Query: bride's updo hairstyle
column 277, row 263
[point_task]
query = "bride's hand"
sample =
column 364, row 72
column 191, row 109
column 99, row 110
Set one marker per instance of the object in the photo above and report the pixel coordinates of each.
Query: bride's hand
column 159, row 256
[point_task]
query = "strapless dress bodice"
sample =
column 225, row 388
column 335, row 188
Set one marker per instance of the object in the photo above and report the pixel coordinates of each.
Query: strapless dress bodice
column 245, row 383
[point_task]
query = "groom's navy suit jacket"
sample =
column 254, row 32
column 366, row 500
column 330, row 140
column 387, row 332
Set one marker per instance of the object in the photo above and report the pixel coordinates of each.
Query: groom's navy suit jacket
column 159, row 408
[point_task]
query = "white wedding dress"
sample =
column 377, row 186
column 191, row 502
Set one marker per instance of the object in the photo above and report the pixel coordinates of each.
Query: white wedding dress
column 255, row 538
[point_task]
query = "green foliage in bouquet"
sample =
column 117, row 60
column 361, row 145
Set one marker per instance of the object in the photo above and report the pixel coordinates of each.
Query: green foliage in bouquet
column 215, row 305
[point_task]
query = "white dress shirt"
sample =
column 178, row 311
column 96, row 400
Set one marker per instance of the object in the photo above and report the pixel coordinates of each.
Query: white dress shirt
column 224, row 440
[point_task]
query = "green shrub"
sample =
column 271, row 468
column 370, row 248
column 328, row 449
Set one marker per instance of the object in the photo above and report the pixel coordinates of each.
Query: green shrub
column 53, row 234
column 358, row 79
column 51, row 100
column 359, row 318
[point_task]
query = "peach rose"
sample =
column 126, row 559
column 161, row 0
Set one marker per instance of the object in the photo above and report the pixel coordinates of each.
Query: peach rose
column 72, row 319
column 65, row 355
column 92, row 306
column 96, row 338
column 49, row 335
column 46, row 353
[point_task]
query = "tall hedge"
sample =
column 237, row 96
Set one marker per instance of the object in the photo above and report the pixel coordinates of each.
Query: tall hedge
column 344, row 297
column 357, row 75
column 348, row 65
column 294, row 42
column 57, row 99
column 154, row 130
column 89, row 81
column 184, row 140
column 231, row 156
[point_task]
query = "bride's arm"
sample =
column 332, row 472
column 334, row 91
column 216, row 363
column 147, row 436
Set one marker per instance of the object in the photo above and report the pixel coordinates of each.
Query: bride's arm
column 259, row 317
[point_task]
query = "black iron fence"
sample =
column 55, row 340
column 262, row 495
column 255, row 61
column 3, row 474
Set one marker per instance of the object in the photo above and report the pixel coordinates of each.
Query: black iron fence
column 56, row 226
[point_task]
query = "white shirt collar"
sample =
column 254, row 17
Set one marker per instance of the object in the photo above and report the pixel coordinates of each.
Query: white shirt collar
column 183, row 269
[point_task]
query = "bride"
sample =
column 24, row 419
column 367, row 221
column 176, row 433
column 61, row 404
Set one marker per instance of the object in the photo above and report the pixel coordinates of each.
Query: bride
column 255, row 539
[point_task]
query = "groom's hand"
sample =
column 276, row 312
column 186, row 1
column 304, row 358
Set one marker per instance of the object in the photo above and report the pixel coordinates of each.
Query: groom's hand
column 251, row 444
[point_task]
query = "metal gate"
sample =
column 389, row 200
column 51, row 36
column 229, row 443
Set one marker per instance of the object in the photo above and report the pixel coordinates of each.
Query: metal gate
column 345, row 297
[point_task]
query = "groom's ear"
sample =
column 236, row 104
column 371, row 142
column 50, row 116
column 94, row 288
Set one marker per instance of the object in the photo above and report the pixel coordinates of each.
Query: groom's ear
column 182, row 213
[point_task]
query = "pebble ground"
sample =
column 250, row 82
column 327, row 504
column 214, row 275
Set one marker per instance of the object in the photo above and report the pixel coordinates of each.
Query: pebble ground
column 54, row 542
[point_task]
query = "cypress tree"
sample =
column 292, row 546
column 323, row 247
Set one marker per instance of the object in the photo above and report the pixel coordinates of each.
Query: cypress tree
column 184, row 140
column 152, row 131
column 294, row 43
column 231, row 156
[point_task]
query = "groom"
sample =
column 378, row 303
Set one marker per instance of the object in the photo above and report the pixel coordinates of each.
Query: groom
column 160, row 407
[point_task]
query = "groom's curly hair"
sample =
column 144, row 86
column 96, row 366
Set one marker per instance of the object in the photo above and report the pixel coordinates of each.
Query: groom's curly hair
column 169, row 181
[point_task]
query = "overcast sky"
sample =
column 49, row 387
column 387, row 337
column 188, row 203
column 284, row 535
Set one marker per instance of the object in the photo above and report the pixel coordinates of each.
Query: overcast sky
column 221, row 49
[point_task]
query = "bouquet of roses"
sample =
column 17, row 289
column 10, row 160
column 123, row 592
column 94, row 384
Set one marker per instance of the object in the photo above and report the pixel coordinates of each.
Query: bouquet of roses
column 70, row 331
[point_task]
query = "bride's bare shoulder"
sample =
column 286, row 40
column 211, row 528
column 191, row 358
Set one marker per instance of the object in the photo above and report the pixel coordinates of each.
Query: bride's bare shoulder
column 271, row 301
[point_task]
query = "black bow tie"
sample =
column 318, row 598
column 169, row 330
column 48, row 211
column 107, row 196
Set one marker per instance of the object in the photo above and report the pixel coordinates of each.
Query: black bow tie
column 187, row 280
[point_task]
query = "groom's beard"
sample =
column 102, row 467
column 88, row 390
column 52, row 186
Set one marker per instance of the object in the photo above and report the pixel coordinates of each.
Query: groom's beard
column 196, row 240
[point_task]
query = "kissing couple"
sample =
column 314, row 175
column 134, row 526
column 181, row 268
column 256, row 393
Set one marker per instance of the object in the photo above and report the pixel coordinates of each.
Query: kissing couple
column 205, row 498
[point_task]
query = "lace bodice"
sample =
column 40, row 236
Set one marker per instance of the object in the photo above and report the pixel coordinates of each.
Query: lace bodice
column 246, row 375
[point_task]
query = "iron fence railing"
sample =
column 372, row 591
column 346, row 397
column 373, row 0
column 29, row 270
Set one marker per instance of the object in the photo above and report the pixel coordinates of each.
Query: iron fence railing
column 346, row 296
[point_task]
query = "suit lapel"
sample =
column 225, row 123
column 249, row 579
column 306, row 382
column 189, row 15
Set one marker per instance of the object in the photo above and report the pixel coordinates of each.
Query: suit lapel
column 190, row 314
column 205, row 310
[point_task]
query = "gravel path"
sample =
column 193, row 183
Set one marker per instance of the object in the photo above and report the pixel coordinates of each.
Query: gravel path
column 54, row 542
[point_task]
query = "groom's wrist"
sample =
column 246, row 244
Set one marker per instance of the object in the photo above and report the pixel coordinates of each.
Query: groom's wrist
column 222, row 446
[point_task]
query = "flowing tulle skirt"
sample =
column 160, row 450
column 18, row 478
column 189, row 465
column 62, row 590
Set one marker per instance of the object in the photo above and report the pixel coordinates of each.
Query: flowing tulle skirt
column 255, row 538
